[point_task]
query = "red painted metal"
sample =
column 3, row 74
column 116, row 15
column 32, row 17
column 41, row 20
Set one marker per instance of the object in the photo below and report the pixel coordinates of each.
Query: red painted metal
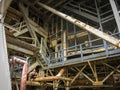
column 24, row 77
column 15, row 60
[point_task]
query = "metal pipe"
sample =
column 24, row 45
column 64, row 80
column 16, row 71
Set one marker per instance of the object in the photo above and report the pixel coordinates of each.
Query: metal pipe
column 65, row 45
column 15, row 60
column 61, row 72
column 28, row 83
column 52, row 78
column 24, row 77
column 84, row 26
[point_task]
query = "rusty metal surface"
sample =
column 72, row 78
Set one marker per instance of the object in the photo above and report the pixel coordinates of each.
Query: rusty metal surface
column 52, row 78
column 24, row 77
column 61, row 72
column 20, row 43
column 15, row 60
column 84, row 26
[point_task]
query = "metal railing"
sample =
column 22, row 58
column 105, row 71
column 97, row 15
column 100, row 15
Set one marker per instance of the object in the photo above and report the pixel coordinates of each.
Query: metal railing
column 20, row 26
column 82, row 52
column 44, row 51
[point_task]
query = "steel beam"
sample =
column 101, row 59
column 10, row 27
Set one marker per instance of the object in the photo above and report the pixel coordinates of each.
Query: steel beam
column 52, row 78
column 21, row 32
column 21, row 44
column 11, row 27
column 28, row 83
column 111, row 73
column 65, row 45
column 93, row 71
column 20, row 49
column 115, row 12
column 87, row 77
column 78, row 74
column 38, row 28
column 83, row 14
column 32, row 32
column 84, row 26
column 112, row 67
column 70, row 37
column 6, row 5
column 31, row 67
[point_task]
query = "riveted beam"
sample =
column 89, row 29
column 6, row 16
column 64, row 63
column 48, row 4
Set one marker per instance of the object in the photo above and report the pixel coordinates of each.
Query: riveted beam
column 84, row 26
column 78, row 74
column 111, row 73
column 93, row 70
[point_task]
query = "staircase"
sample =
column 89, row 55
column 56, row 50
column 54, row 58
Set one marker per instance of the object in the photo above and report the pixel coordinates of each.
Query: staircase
column 21, row 28
column 18, row 28
column 44, row 53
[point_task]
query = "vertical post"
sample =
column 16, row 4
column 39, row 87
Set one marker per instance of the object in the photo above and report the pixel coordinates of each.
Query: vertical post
column 115, row 12
column 24, row 77
column 56, row 52
column 84, row 26
column 106, row 48
column 89, row 38
column 41, row 46
column 65, row 45
column 75, row 37
column 4, row 66
column 81, row 53
column 25, row 11
column 5, row 81
column 52, row 25
column 67, row 85
column 56, row 36
column 95, row 73
column 55, row 85
column 101, row 27
column 61, row 39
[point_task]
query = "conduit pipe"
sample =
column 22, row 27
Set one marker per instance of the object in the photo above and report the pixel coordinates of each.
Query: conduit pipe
column 15, row 60
column 84, row 26
column 52, row 78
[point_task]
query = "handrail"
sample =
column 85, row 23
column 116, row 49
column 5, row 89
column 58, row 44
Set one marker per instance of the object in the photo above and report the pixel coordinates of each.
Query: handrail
column 20, row 26
column 14, row 60
column 82, row 51
column 45, row 52
column 84, row 26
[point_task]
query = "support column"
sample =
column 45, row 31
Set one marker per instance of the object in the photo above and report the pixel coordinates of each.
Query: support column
column 84, row 26
column 55, row 85
column 67, row 85
column 65, row 45
column 25, row 11
column 101, row 27
column 115, row 12
column 4, row 66
column 5, row 82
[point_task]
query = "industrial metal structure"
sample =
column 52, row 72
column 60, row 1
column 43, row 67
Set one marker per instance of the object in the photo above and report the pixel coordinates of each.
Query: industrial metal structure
column 60, row 44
